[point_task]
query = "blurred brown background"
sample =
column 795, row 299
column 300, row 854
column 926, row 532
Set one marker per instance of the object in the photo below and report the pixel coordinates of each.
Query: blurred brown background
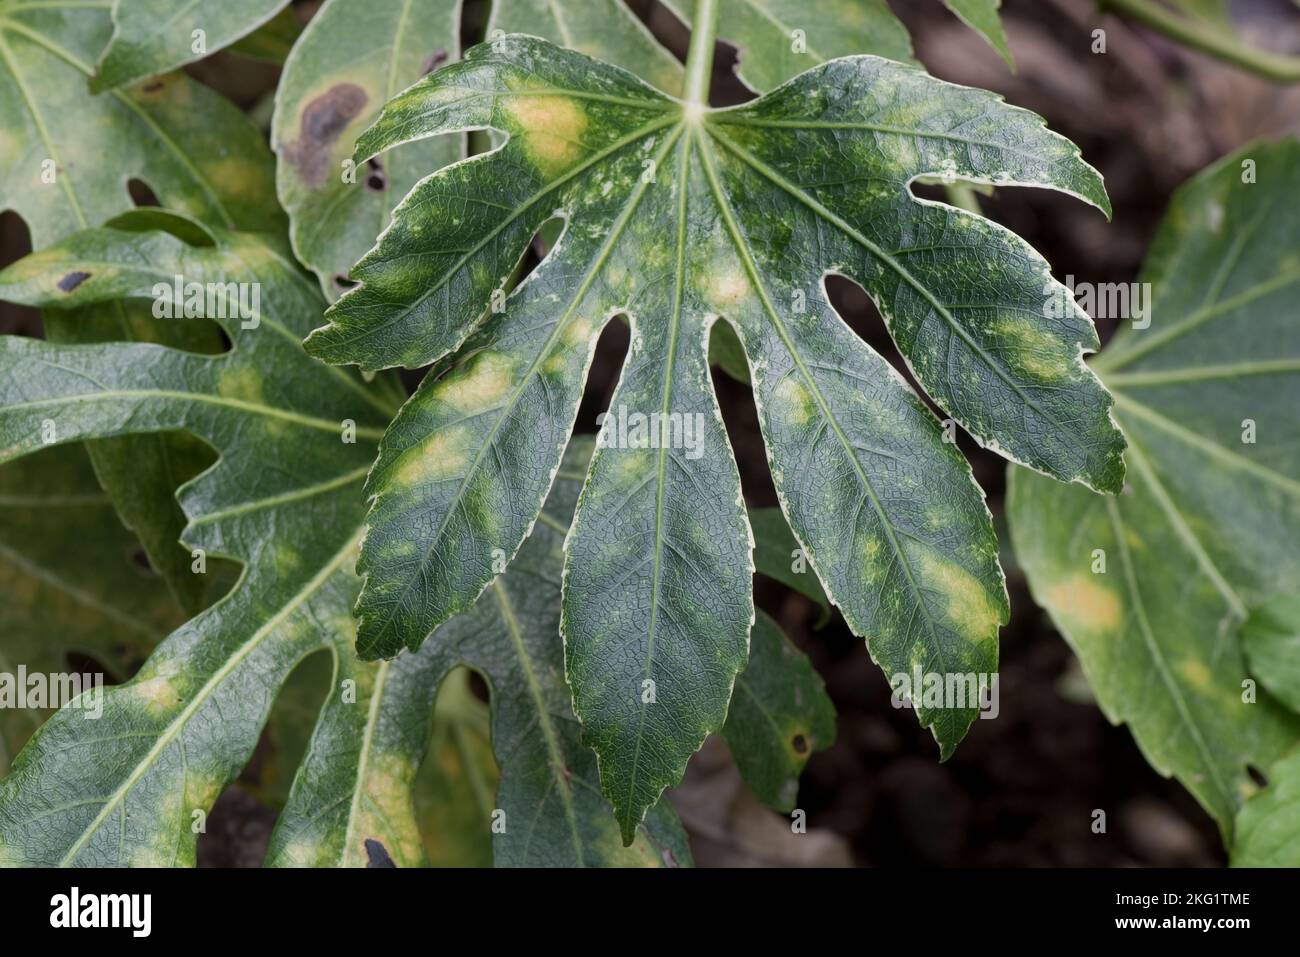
column 1021, row 789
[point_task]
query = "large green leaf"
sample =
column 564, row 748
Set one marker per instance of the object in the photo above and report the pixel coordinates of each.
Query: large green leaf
column 779, row 716
column 156, row 36
column 124, row 790
column 69, row 582
column 676, row 214
column 194, row 150
column 1207, row 526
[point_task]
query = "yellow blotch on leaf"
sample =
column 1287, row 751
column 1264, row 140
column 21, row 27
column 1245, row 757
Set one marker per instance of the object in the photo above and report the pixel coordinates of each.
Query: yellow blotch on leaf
column 551, row 128
column 159, row 694
column 1082, row 601
column 968, row 606
column 1033, row 350
column 441, row 455
column 483, row 384
column 794, row 401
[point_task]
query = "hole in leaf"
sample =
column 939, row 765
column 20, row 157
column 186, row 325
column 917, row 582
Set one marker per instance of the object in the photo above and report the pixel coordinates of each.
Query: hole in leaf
column 1257, row 776
column 80, row 663
column 800, row 744
column 140, row 559
column 141, row 194
column 15, row 243
column 611, row 353
column 478, row 687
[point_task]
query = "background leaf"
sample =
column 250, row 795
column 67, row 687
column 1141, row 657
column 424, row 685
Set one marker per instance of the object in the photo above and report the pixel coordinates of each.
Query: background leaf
column 1269, row 823
column 156, row 36
column 70, row 583
column 771, row 52
column 1207, row 525
column 780, row 715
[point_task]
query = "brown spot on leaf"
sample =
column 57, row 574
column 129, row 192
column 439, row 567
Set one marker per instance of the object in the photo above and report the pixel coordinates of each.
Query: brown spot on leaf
column 800, row 744
column 377, row 855
column 432, row 62
column 377, row 180
column 72, row 280
column 323, row 120
column 152, row 87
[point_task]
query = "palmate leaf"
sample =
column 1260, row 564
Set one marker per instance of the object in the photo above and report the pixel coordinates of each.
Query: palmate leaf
column 172, row 737
column 1206, row 529
column 69, row 582
column 125, row 789
column 675, row 215
column 195, row 151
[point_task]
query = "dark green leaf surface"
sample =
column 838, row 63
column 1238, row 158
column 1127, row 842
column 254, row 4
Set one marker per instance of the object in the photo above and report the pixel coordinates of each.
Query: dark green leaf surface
column 157, row 36
column 69, row 581
column 1207, row 526
column 554, row 812
column 675, row 216
column 780, row 714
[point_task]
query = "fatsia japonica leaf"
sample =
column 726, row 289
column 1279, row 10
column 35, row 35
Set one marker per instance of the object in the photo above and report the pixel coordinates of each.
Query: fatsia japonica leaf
column 69, row 582
column 157, row 36
column 780, row 715
column 65, row 160
column 1268, row 825
column 1151, row 587
column 675, row 215
column 66, row 157
column 171, row 738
